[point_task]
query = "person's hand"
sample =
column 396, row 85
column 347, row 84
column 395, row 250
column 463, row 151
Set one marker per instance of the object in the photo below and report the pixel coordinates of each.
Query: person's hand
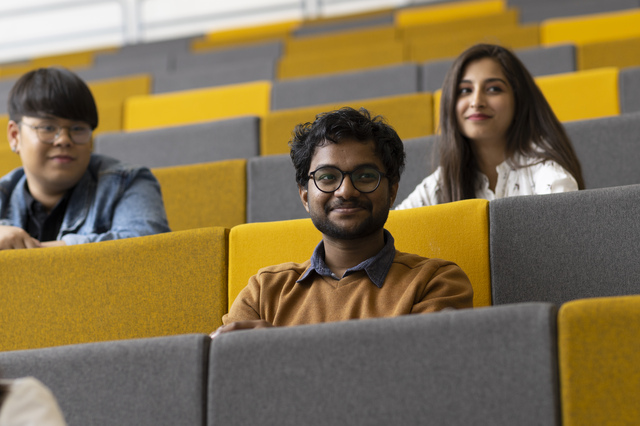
column 12, row 237
column 240, row 325
column 58, row 243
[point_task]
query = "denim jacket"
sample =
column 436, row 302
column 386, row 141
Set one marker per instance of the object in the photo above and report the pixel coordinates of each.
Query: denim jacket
column 110, row 202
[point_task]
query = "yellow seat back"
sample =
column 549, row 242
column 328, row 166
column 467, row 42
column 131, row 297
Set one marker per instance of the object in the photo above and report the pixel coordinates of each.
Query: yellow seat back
column 617, row 53
column 341, row 59
column 450, row 45
column 447, row 12
column 204, row 195
column 193, row 106
column 599, row 354
column 591, row 28
column 582, row 95
column 360, row 38
column 239, row 36
column 456, row 231
column 167, row 284
column 502, row 19
column 410, row 115
column 568, row 97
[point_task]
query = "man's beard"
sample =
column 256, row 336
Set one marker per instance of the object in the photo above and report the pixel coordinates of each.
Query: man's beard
column 369, row 226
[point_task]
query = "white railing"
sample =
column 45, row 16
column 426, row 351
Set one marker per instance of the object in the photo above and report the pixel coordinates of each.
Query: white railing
column 31, row 28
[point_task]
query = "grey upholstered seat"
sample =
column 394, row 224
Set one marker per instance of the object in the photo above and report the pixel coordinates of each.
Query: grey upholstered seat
column 272, row 192
column 560, row 247
column 194, row 143
column 629, row 88
column 143, row 382
column 490, row 366
column 538, row 60
column 342, row 87
column 608, row 149
column 208, row 76
column 539, row 10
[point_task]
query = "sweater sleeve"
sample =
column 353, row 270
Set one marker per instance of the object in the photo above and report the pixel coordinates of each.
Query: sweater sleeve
column 247, row 305
column 448, row 287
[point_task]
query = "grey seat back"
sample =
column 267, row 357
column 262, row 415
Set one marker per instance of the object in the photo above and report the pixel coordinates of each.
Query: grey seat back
column 629, row 87
column 608, row 149
column 143, row 382
column 538, row 61
column 560, row 247
column 540, row 10
column 343, row 87
column 194, row 143
column 272, row 191
column 419, row 164
column 491, row 366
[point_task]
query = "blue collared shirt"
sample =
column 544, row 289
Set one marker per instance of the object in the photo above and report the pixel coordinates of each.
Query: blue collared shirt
column 376, row 267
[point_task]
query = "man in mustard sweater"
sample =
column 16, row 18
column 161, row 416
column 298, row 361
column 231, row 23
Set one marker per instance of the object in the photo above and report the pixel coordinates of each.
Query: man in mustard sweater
column 348, row 167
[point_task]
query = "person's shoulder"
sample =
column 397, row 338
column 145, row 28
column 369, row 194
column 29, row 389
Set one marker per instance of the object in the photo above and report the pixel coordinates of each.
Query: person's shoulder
column 284, row 268
column 102, row 166
column 12, row 178
column 415, row 261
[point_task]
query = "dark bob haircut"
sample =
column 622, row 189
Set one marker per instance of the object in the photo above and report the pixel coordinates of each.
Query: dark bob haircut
column 52, row 91
column 346, row 123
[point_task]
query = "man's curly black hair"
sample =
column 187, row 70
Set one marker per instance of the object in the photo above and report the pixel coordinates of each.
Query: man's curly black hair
column 342, row 124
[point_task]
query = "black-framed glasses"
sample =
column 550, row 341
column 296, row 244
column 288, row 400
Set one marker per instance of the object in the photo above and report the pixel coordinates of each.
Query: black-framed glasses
column 365, row 179
column 80, row 134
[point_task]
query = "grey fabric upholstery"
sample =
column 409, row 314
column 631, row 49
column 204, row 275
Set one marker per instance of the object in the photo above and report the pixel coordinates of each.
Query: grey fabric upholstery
column 171, row 46
column 342, row 87
column 539, row 61
column 560, row 247
column 195, row 143
column 272, row 191
column 158, row 381
column 491, row 366
column 608, row 149
column 269, row 51
column 313, row 28
column 201, row 77
column 119, row 67
column 418, row 165
column 537, row 11
column 629, row 88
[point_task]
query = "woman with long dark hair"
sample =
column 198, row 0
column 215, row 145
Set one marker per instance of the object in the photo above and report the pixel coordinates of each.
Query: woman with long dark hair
column 498, row 135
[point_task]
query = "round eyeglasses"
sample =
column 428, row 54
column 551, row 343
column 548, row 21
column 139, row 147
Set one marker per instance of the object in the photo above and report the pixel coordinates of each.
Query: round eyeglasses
column 365, row 179
column 48, row 133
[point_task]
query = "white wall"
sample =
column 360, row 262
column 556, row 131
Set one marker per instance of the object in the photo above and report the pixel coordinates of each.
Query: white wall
column 30, row 28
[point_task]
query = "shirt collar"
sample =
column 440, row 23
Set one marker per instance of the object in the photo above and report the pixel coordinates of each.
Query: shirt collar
column 376, row 267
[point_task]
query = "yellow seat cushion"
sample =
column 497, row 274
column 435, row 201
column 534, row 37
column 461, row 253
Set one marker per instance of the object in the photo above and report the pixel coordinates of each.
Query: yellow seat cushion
column 193, row 106
column 410, row 115
column 204, row 195
column 599, row 354
column 166, row 284
column 456, row 231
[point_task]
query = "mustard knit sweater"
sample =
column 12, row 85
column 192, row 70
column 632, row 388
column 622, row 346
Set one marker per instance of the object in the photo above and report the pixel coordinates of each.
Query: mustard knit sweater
column 414, row 284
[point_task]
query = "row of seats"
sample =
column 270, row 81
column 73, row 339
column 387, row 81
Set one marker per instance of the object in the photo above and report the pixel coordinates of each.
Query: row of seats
column 546, row 248
column 524, row 364
column 221, row 180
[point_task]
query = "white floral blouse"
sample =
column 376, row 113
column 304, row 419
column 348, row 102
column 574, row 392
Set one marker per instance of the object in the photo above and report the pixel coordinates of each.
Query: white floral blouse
column 534, row 177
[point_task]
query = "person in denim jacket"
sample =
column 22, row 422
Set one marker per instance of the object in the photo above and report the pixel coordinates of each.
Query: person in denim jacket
column 63, row 194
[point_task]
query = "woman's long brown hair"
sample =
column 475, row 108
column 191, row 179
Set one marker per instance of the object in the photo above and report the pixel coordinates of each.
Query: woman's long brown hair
column 535, row 132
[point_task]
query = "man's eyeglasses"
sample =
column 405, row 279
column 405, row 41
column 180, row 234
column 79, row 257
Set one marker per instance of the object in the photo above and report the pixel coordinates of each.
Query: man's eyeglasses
column 48, row 133
column 365, row 179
